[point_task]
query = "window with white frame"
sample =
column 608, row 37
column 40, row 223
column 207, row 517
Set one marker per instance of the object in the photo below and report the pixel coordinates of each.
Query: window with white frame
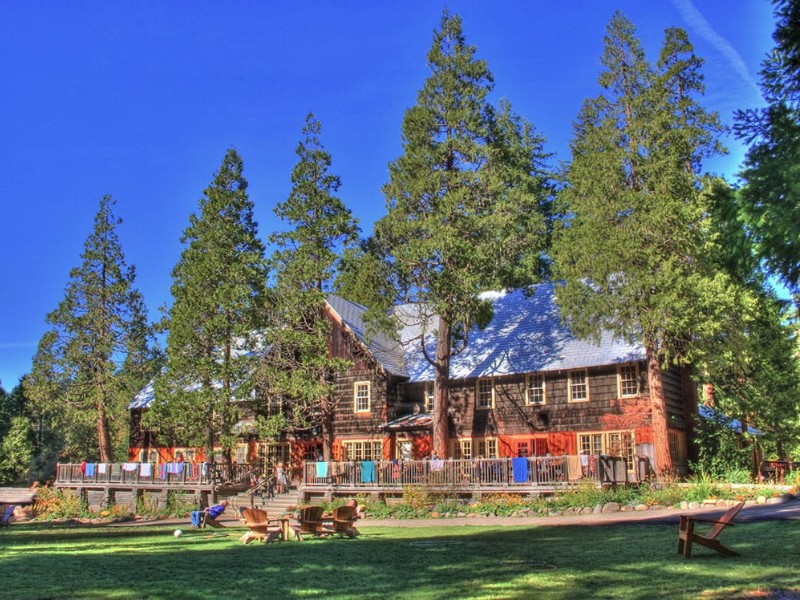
column 628, row 381
column 362, row 450
column 534, row 389
column 578, row 386
column 362, row 396
column 240, row 453
column 484, row 395
column 429, row 396
column 487, row 448
column 590, row 443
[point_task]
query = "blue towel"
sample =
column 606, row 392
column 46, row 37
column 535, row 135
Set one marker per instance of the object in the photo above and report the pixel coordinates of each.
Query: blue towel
column 90, row 467
column 367, row 471
column 519, row 466
column 322, row 469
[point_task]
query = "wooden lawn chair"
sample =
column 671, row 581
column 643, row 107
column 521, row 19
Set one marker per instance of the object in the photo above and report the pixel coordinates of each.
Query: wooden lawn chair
column 310, row 522
column 260, row 526
column 344, row 518
column 209, row 521
column 687, row 535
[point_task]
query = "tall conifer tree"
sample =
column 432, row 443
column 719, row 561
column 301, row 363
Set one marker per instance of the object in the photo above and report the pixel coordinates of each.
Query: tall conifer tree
column 299, row 367
column 99, row 350
column 631, row 248
column 770, row 201
column 219, row 302
column 463, row 202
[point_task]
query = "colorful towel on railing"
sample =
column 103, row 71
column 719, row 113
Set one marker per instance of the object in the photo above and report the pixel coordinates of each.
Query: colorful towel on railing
column 175, row 468
column 162, row 471
column 437, row 464
column 146, row 469
column 116, row 469
column 102, row 468
column 90, row 469
column 322, row 469
column 574, row 471
column 519, row 467
column 130, row 466
column 367, row 471
column 395, row 470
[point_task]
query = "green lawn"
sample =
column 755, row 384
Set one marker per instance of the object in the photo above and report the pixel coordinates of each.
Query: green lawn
column 619, row 561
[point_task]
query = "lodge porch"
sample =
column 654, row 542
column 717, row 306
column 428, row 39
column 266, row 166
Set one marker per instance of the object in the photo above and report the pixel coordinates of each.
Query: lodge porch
column 538, row 475
column 104, row 484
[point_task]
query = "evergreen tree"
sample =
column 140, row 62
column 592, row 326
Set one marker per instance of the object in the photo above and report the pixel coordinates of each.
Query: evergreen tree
column 631, row 246
column 770, row 201
column 98, row 352
column 16, row 452
column 299, row 368
column 749, row 356
column 219, row 300
column 464, row 204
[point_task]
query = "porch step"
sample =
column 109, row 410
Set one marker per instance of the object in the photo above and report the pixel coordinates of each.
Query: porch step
column 281, row 503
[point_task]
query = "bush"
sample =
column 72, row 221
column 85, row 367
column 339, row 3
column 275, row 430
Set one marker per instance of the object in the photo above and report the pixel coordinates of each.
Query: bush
column 53, row 503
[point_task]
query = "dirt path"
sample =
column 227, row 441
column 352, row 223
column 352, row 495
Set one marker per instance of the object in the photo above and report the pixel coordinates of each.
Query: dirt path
column 788, row 508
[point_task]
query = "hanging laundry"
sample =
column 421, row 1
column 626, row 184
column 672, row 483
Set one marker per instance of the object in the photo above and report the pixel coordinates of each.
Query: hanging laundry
column 322, row 469
column 519, row 467
column 367, row 471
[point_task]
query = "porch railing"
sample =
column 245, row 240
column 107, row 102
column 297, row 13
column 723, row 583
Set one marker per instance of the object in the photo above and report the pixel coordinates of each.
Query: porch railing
column 152, row 474
column 540, row 471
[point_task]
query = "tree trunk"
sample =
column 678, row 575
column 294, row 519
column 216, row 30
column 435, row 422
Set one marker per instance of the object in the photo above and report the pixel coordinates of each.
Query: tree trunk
column 104, row 435
column 441, row 392
column 326, row 426
column 655, row 383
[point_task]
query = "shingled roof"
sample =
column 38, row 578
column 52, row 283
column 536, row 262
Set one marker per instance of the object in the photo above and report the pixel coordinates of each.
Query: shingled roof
column 525, row 335
column 388, row 352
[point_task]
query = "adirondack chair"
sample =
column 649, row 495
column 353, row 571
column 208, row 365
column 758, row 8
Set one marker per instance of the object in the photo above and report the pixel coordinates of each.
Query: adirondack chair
column 344, row 518
column 310, row 522
column 687, row 535
column 261, row 527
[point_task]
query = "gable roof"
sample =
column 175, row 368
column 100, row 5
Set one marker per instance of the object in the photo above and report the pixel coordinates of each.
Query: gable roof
column 388, row 352
column 525, row 335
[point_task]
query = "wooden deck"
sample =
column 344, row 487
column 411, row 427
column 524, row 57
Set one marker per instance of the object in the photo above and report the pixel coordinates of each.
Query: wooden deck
column 527, row 476
column 106, row 484
column 103, row 485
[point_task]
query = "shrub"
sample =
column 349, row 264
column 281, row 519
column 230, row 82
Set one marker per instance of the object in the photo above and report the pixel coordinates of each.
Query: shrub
column 53, row 503
column 416, row 496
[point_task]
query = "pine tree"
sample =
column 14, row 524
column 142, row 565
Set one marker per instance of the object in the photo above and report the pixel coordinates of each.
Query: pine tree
column 631, row 246
column 298, row 367
column 99, row 349
column 463, row 202
column 770, row 201
column 219, row 302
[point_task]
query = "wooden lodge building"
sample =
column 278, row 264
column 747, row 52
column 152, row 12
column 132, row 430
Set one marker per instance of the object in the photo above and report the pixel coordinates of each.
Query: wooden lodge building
column 524, row 386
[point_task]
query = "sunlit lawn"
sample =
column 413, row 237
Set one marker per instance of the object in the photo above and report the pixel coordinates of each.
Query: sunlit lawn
column 618, row 561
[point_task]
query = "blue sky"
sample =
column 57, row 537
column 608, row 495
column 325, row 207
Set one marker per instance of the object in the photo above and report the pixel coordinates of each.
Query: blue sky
column 141, row 99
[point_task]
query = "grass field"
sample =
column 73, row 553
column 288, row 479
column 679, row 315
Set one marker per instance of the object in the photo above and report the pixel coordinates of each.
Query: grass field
column 619, row 561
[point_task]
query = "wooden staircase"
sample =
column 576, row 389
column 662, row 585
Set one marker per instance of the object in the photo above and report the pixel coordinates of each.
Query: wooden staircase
column 280, row 504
